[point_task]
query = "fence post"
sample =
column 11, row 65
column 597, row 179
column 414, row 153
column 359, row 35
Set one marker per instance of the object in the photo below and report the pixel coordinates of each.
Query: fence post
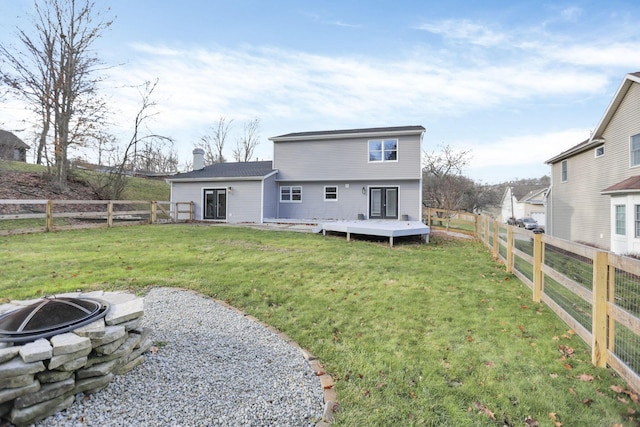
column 110, row 213
column 496, row 243
column 152, row 217
column 599, row 307
column 509, row 249
column 191, row 206
column 49, row 213
column 537, row 268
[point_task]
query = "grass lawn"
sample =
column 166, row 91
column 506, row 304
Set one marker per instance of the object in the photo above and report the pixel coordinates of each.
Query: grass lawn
column 414, row 335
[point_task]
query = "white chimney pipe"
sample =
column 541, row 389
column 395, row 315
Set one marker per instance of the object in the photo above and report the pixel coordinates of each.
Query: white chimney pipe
column 198, row 159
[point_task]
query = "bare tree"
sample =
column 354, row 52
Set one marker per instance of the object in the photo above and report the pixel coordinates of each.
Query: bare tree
column 248, row 141
column 112, row 184
column 444, row 187
column 56, row 72
column 213, row 143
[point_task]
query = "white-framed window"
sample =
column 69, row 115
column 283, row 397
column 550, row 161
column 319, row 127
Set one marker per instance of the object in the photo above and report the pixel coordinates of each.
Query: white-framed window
column 599, row 151
column 621, row 219
column 565, row 170
column 383, row 150
column 634, row 150
column 331, row 193
column 637, row 221
column 290, row 194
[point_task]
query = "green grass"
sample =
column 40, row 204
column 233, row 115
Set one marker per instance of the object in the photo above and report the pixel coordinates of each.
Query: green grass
column 414, row 335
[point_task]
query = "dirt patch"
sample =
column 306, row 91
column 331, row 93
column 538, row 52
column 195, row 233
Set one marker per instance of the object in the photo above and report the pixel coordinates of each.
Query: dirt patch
column 29, row 185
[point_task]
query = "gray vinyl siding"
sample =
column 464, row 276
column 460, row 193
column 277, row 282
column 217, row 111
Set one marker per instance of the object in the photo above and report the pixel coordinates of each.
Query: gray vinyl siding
column 578, row 211
column 270, row 197
column 345, row 159
column 351, row 201
column 243, row 201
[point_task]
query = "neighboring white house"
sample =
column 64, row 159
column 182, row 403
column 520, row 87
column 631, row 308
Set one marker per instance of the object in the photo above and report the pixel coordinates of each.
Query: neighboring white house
column 372, row 173
column 520, row 201
column 595, row 185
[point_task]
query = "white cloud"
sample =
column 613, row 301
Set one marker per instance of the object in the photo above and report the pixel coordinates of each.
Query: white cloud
column 465, row 30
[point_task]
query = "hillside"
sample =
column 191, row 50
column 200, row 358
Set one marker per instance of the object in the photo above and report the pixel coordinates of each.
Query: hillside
column 28, row 181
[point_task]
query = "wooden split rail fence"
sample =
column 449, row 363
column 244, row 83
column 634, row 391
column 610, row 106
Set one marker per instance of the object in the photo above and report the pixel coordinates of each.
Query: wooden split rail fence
column 595, row 292
column 28, row 216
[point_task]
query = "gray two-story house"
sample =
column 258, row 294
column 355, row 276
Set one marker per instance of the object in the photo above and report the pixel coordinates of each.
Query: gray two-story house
column 595, row 192
column 372, row 173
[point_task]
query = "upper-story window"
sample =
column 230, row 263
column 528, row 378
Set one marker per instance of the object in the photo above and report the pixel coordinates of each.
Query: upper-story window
column 634, row 154
column 599, row 151
column 565, row 167
column 383, row 150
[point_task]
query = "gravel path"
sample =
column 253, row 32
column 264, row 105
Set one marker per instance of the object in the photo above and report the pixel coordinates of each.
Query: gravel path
column 213, row 367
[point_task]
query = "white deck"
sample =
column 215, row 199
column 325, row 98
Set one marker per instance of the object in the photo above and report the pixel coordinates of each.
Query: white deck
column 388, row 228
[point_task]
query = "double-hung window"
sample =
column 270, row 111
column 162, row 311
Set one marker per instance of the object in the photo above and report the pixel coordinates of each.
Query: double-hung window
column 383, row 150
column 291, row 194
column 565, row 173
column 637, row 221
column 621, row 220
column 634, row 150
column 331, row 194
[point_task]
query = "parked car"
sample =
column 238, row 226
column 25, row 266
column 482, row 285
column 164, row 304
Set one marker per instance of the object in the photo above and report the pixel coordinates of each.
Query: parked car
column 527, row 223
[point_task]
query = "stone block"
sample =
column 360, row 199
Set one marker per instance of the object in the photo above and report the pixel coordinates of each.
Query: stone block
column 60, row 360
column 69, row 343
column 40, row 411
column 15, row 382
column 115, row 298
column 97, row 370
column 88, row 385
column 93, row 330
column 8, row 353
column 111, row 347
column 11, row 393
column 120, row 370
column 53, row 376
column 37, row 350
column 132, row 325
column 111, row 334
column 73, row 365
column 120, row 313
column 16, row 367
column 46, row 392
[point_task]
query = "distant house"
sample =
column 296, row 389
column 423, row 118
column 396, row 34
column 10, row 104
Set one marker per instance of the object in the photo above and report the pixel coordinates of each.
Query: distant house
column 595, row 192
column 372, row 173
column 520, row 201
column 12, row 147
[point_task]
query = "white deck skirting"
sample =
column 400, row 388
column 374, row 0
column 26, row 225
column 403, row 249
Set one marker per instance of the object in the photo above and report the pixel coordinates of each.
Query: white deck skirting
column 385, row 228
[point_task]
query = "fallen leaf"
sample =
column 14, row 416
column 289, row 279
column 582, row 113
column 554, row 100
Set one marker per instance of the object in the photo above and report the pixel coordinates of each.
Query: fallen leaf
column 587, row 402
column 483, row 409
column 553, row 375
column 623, row 400
column 585, row 377
column 617, row 389
column 531, row 422
column 552, row 416
column 567, row 366
column 572, row 391
column 566, row 350
column 469, row 338
column 521, row 327
column 489, row 364
column 524, row 307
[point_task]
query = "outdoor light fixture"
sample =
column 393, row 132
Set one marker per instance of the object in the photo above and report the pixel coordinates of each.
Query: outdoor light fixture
column 230, row 189
column 364, row 190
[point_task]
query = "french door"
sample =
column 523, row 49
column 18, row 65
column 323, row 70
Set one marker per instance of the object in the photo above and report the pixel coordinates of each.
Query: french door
column 383, row 202
column 215, row 204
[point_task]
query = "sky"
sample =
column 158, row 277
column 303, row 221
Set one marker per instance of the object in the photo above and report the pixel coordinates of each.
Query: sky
column 512, row 82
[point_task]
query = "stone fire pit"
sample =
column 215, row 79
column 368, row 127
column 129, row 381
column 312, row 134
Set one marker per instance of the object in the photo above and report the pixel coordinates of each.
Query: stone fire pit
column 41, row 377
